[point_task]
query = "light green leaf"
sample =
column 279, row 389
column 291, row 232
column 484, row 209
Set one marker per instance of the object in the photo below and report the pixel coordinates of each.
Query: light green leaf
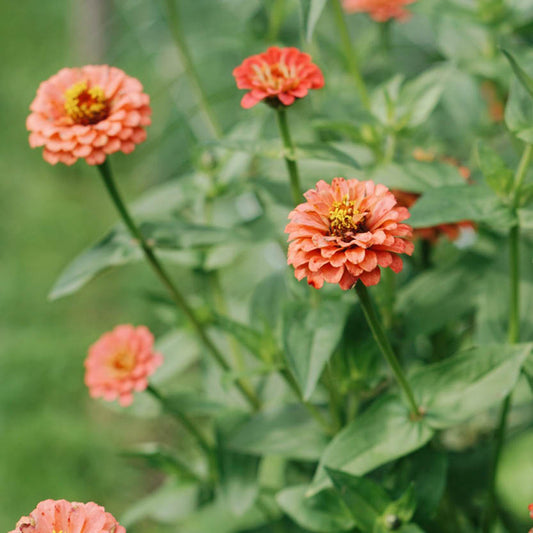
column 519, row 112
column 326, row 152
column 288, row 431
column 364, row 498
column 382, row 433
column 311, row 11
column 309, row 337
column 497, row 174
column 324, row 512
column 454, row 204
column 454, row 390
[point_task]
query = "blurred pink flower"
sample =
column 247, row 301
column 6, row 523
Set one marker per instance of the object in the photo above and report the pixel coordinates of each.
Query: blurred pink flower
column 379, row 10
column 88, row 113
column 120, row 362
column 345, row 232
column 60, row 516
column 279, row 76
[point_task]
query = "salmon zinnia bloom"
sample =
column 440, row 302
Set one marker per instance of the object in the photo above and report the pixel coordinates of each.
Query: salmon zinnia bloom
column 380, row 10
column 88, row 113
column 345, row 232
column 278, row 76
column 60, row 516
column 120, row 363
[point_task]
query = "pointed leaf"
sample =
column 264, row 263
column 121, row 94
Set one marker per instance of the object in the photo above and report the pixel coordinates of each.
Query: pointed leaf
column 520, row 73
column 497, row 174
column 311, row 11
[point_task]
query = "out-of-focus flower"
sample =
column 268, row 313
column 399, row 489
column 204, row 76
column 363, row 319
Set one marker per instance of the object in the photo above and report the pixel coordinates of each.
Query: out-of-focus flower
column 120, row 362
column 380, row 10
column 345, row 232
column 278, row 76
column 60, row 516
column 495, row 103
column 88, row 113
column 408, row 199
column 530, row 507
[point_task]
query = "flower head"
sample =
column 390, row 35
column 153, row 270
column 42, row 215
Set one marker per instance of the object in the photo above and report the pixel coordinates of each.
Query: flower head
column 88, row 113
column 379, row 10
column 278, row 76
column 60, row 516
column 120, row 362
column 345, row 232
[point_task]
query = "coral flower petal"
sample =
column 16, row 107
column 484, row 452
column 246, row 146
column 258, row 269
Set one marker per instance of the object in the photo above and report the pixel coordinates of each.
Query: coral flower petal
column 379, row 10
column 120, row 362
column 347, row 231
column 279, row 76
column 87, row 113
column 61, row 516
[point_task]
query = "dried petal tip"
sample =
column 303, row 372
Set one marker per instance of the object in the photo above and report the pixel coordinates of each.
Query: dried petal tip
column 347, row 231
column 60, row 516
column 277, row 76
column 88, row 113
column 120, row 362
column 379, row 10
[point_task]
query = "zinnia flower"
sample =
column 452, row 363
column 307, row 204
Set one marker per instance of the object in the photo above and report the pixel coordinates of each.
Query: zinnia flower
column 60, row 516
column 408, row 199
column 379, row 10
column 278, row 76
column 345, row 232
column 120, row 362
column 88, row 113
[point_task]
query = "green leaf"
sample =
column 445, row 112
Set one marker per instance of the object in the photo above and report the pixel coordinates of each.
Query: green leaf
column 168, row 504
column 519, row 112
column 404, row 507
column 324, row 512
column 382, row 433
column 194, row 404
column 417, row 176
column 238, row 481
column 364, row 498
column 454, row 390
column 497, row 174
column 523, row 77
column 326, row 152
column 309, row 337
column 267, row 303
column 115, row 249
column 311, row 11
column 288, row 431
column 419, row 97
column 455, row 204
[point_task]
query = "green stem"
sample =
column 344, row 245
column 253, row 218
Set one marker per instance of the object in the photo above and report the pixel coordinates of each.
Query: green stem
column 384, row 345
column 185, row 421
column 390, row 148
column 188, row 65
column 176, row 295
column 351, row 56
column 292, row 167
column 513, row 333
column 275, row 19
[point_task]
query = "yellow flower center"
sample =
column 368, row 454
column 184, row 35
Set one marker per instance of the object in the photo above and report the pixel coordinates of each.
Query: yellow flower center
column 86, row 105
column 343, row 217
column 276, row 76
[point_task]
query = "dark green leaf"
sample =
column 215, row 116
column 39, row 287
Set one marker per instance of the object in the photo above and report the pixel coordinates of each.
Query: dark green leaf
column 288, row 431
column 382, row 433
column 364, row 498
column 404, row 507
column 454, row 390
column 324, row 512
column 455, row 204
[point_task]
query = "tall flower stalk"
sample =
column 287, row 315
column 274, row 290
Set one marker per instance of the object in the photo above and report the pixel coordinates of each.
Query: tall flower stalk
column 176, row 295
column 350, row 53
column 513, row 332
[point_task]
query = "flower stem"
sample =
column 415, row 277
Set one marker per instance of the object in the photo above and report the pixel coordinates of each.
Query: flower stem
column 513, row 333
column 188, row 65
column 292, row 167
column 185, row 421
column 351, row 56
column 176, row 295
column 384, row 345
